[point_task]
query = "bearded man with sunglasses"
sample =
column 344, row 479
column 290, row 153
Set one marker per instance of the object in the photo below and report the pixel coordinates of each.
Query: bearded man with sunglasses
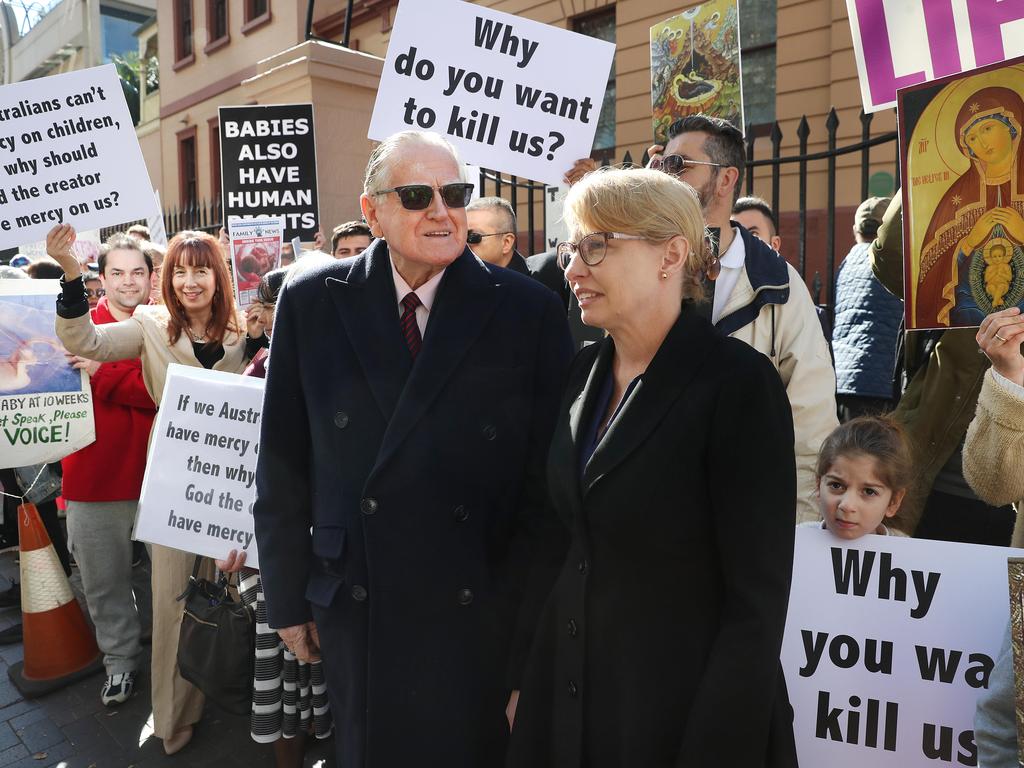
column 401, row 506
column 758, row 296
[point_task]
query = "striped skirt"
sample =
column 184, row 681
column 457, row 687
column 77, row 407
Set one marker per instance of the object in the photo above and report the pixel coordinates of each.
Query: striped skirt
column 288, row 695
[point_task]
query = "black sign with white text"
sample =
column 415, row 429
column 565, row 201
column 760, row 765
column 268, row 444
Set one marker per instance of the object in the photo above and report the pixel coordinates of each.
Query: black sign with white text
column 268, row 166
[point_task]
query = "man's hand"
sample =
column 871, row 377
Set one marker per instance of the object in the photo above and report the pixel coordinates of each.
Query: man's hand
column 303, row 640
column 510, row 709
column 83, row 364
column 653, row 151
column 58, row 246
column 582, row 167
column 1000, row 337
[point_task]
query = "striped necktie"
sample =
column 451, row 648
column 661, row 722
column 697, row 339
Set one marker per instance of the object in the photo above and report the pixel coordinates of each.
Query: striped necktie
column 410, row 328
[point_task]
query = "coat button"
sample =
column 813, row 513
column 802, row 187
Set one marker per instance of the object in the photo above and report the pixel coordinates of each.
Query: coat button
column 572, row 628
column 368, row 506
column 583, row 566
column 465, row 596
column 461, row 514
column 341, row 419
column 359, row 593
column 572, row 689
column 489, row 431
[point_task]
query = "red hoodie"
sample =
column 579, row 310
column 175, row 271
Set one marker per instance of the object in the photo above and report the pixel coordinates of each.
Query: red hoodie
column 111, row 468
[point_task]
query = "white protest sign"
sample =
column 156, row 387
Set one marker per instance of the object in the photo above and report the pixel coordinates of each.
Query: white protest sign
column 889, row 642
column 68, row 153
column 903, row 42
column 155, row 222
column 45, row 404
column 200, row 481
column 555, row 230
column 511, row 94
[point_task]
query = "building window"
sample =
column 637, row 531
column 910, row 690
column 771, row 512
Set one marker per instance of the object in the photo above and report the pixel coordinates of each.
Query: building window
column 188, row 181
column 117, row 31
column 183, row 53
column 257, row 13
column 602, row 26
column 216, row 24
column 757, row 53
column 214, row 129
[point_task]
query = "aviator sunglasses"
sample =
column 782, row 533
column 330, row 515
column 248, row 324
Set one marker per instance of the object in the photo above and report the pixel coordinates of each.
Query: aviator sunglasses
column 417, row 197
column 674, row 165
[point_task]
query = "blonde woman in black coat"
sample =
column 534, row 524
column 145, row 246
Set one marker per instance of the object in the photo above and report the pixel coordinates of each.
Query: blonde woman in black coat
column 672, row 463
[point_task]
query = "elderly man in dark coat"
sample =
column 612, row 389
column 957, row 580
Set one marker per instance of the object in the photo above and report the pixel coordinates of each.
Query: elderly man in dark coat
column 402, row 506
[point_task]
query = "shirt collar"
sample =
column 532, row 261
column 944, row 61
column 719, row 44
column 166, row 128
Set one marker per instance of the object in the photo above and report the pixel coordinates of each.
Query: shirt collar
column 734, row 257
column 425, row 292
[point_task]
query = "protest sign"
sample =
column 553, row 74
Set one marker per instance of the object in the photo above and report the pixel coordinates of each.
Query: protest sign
column 496, row 85
column 45, row 404
column 903, row 43
column 695, row 66
column 200, row 481
column 1015, row 571
column 155, row 222
column 268, row 166
column 963, row 196
column 889, row 641
column 69, row 154
column 255, row 250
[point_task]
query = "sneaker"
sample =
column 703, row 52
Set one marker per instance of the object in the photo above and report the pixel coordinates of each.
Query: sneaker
column 118, row 689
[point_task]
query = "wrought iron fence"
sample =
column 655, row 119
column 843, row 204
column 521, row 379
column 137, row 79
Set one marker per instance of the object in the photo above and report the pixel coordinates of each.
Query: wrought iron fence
column 527, row 197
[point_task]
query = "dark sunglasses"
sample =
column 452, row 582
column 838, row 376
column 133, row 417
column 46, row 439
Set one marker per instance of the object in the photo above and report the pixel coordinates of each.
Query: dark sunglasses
column 674, row 165
column 417, row 197
column 475, row 238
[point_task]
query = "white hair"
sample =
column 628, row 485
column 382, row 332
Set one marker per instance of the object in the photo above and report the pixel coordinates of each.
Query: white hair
column 378, row 169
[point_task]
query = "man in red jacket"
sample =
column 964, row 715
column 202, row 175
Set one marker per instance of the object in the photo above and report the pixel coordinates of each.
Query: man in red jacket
column 102, row 481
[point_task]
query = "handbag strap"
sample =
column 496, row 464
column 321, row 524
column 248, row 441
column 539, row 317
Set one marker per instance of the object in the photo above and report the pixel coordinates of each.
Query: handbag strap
column 193, row 580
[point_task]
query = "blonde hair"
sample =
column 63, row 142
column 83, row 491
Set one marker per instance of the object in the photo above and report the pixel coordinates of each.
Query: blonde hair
column 643, row 202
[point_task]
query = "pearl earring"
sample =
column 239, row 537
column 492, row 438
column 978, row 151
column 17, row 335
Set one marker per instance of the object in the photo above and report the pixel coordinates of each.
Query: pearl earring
column 664, row 275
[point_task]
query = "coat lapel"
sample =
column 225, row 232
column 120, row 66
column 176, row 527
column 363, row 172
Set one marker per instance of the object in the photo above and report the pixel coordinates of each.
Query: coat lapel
column 466, row 299
column 581, row 412
column 366, row 301
column 677, row 361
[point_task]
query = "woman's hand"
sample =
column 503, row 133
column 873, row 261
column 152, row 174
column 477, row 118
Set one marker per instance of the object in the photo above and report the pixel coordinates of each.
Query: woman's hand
column 1000, row 337
column 234, row 563
column 254, row 325
column 1011, row 222
column 58, row 246
column 303, row 640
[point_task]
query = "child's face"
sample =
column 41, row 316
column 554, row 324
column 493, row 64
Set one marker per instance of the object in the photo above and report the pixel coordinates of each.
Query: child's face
column 853, row 499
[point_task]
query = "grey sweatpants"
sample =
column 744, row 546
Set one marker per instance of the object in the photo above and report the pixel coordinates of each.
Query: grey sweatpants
column 100, row 537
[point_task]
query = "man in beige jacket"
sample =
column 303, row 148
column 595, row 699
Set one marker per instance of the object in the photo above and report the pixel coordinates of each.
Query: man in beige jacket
column 759, row 297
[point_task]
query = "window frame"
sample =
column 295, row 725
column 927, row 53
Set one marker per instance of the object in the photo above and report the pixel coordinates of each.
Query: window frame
column 605, row 153
column 183, row 137
column 213, row 126
column 182, row 59
column 216, row 43
column 251, row 22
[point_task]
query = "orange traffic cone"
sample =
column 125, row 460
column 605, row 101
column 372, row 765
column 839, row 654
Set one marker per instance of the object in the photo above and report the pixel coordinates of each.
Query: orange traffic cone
column 59, row 645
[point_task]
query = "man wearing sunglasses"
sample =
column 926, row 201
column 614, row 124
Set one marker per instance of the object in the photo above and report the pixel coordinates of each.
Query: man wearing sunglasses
column 492, row 233
column 402, row 501
column 758, row 296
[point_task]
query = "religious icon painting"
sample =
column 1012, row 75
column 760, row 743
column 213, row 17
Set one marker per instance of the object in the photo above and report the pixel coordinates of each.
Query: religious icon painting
column 963, row 196
column 695, row 66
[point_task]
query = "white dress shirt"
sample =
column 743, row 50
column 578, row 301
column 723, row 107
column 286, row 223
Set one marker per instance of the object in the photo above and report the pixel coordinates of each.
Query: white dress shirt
column 732, row 265
column 425, row 292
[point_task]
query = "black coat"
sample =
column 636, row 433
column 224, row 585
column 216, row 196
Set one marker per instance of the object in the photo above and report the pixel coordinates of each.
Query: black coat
column 659, row 645
column 424, row 486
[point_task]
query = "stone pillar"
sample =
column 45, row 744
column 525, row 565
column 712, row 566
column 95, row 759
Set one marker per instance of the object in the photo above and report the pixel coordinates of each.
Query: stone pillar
column 342, row 86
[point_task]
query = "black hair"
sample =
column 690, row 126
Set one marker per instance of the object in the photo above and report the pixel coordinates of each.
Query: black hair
column 122, row 242
column 270, row 285
column 760, row 205
column 724, row 144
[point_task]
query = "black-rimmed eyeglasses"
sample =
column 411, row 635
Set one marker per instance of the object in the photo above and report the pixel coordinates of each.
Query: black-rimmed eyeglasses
column 676, row 165
column 592, row 248
column 417, row 197
column 475, row 238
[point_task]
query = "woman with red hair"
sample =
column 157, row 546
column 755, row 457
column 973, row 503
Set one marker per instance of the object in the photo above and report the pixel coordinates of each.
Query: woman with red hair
column 198, row 324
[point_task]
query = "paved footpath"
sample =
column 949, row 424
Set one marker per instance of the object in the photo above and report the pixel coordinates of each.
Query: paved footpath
column 72, row 729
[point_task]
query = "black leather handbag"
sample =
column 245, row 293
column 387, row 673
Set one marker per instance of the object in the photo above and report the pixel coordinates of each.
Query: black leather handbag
column 217, row 643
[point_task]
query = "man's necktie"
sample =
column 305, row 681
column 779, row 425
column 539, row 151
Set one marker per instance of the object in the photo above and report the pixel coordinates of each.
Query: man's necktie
column 410, row 328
